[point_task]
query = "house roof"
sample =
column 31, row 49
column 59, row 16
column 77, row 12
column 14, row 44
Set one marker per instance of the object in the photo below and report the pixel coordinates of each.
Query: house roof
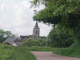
column 23, row 37
column 36, row 25
column 19, row 41
column 10, row 40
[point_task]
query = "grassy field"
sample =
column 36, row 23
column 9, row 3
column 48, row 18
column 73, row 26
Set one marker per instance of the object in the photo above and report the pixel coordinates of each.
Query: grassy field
column 15, row 53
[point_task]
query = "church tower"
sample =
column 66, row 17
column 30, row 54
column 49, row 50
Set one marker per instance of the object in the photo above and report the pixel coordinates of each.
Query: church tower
column 36, row 32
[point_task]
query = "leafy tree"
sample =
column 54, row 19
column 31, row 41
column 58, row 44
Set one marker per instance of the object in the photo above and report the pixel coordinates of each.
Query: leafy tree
column 65, row 13
column 4, row 35
column 60, row 38
column 9, row 34
column 2, row 38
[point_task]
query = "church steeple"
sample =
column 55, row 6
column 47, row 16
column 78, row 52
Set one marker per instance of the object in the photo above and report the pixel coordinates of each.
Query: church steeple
column 36, row 32
column 36, row 25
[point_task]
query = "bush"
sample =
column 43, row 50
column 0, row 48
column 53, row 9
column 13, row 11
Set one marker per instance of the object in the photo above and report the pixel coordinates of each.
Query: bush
column 42, row 42
column 31, row 42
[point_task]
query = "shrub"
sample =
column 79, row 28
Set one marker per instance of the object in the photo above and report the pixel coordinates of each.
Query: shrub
column 42, row 42
column 31, row 42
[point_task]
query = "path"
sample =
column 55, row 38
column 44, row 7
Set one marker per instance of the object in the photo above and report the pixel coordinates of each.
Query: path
column 50, row 56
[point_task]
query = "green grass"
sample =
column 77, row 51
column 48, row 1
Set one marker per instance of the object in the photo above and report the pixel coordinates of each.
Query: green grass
column 72, row 51
column 37, row 48
column 15, row 53
column 8, row 52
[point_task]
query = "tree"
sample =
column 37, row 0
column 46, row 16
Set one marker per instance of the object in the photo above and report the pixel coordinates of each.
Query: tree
column 60, row 38
column 8, row 34
column 2, row 38
column 62, row 12
column 4, row 35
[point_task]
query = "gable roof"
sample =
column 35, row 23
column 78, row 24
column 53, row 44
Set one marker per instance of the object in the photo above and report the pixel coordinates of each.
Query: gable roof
column 19, row 41
column 10, row 40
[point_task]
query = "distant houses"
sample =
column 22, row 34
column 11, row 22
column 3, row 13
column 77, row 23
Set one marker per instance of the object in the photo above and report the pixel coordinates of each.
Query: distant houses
column 10, row 41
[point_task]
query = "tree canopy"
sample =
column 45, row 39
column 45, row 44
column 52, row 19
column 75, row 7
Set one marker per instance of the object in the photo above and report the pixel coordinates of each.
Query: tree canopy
column 65, row 13
column 58, row 37
column 5, row 34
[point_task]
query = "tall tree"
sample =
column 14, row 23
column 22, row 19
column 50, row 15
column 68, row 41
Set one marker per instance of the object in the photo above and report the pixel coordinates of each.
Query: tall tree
column 66, row 13
column 58, row 37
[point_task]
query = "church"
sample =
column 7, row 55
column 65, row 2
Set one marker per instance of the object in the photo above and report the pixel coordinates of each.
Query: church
column 36, row 33
column 18, row 41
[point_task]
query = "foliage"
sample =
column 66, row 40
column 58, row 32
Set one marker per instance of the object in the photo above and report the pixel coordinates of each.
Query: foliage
column 56, row 11
column 63, row 12
column 8, row 34
column 4, row 53
column 30, row 42
column 42, row 42
column 5, row 34
column 60, row 38
column 2, row 38
column 8, row 52
column 38, row 48
column 72, row 51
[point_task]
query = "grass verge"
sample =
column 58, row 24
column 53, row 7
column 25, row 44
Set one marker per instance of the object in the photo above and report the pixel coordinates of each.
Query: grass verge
column 15, row 53
column 72, row 51
column 37, row 48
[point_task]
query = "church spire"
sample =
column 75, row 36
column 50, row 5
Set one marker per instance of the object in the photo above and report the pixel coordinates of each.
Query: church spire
column 36, row 25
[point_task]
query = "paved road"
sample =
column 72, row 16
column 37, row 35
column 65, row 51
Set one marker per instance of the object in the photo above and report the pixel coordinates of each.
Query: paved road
column 50, row 56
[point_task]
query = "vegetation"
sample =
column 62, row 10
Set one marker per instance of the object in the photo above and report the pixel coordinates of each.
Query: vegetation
column 64, row 14
column 71, row 51
column 15, row 53
column 42, row 42
column 60, row 38
column 31, row 42
column 5, row 34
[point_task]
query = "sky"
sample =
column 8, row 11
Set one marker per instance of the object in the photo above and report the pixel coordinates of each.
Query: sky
column 16, row 16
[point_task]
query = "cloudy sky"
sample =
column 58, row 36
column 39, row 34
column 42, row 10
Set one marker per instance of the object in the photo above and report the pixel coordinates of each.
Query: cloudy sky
column 16, row 16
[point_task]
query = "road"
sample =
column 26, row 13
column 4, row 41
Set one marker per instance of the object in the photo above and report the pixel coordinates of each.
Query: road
column 50, row 56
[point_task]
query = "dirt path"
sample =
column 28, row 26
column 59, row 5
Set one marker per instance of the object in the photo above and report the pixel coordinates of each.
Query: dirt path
column 50, row 56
